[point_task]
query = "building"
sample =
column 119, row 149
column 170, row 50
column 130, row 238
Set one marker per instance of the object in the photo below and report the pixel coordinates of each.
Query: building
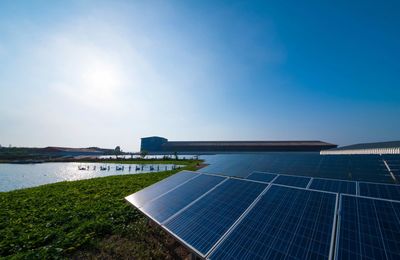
column 156, row 144
column 153, row 144
column 367, row 148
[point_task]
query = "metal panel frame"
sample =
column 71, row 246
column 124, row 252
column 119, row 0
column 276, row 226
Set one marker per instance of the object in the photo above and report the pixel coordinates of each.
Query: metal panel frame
column 309, row 183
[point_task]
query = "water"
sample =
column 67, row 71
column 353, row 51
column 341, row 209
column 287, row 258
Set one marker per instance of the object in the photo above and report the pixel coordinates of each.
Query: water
column 148, row 157
column 17, row 176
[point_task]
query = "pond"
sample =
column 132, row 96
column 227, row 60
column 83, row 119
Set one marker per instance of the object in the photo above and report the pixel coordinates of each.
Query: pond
column 17, row 176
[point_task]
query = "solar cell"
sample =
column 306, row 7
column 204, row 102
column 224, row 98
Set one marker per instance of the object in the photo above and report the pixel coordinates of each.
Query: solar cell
column 171, row 202
column 203, row 223
column 159, row 188
column 378, row 190
column 261, row 176
column 368, row 229
column 338, row 186
column 295, row 181
column 286, row 223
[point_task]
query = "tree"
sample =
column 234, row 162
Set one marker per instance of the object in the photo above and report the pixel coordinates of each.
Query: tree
column 143, row 154
column 117, row 150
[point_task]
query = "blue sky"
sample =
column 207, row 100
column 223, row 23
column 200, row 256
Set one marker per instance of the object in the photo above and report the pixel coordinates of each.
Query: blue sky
column 105, row 73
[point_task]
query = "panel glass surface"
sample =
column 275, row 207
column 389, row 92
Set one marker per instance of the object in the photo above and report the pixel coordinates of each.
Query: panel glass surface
column 159, row 188
column 295, row 181
column 261, row 176
column 202, row 224
column 170, row 203
column 338, row 186
column 346, row 167
column 368, row 229
column 286, row 223
column 376, row 190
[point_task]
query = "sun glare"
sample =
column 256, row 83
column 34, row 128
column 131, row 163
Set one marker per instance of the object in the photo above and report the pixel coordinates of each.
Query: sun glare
column 101, row 78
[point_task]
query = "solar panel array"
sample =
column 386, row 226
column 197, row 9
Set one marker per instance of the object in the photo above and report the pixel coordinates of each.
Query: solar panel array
column 368, row 229
column 285, row 223
column 276, row 216
column 204, row 223
column 344, row 167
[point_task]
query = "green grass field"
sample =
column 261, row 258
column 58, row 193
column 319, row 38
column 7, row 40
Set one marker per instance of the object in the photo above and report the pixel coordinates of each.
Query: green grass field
column 81, row 219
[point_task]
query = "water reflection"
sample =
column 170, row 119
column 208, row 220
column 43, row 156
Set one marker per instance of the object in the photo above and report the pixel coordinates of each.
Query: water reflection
column 17, row 176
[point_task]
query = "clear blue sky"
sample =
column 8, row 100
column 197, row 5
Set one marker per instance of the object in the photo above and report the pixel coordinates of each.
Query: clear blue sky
column 105, row 73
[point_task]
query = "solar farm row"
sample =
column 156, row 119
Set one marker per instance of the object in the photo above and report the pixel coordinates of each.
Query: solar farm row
column 219, row 217
column 368, row 189
column 344, row 167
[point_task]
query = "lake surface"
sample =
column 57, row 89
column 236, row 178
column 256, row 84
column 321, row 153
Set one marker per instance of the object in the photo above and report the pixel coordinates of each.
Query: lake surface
column 17, row 176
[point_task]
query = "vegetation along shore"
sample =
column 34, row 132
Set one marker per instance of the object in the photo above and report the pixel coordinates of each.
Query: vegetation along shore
column 84, row 219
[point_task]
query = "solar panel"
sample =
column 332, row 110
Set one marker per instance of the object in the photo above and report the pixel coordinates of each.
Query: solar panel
column 338, row 186
column 377, row 190
column 202, row 224
column 286, row 223
column 159, row 188
column 368, row 229
column 171, row 202
column 261, row 176
column 295, row 181
column 346, row 167
column 393, row 161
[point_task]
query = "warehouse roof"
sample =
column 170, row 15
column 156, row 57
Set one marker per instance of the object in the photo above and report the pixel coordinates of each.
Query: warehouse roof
column 378, row 145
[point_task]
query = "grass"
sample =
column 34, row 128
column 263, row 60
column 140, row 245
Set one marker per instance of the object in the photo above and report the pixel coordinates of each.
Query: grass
column 81, row 219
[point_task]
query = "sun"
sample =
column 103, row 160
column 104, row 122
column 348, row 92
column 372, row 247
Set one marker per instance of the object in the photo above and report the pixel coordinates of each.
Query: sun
column 101, row 78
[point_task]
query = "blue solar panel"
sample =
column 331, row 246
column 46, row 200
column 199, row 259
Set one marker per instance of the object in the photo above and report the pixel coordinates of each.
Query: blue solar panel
column 376, row 190
column 286, row 223
column 203, row 223
column 346, row 167
column 295, row 181
column 338, row 186
column 159, row 188
column 393, row 161
column 261, row 176
column 368, row 229
column 170, row 203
